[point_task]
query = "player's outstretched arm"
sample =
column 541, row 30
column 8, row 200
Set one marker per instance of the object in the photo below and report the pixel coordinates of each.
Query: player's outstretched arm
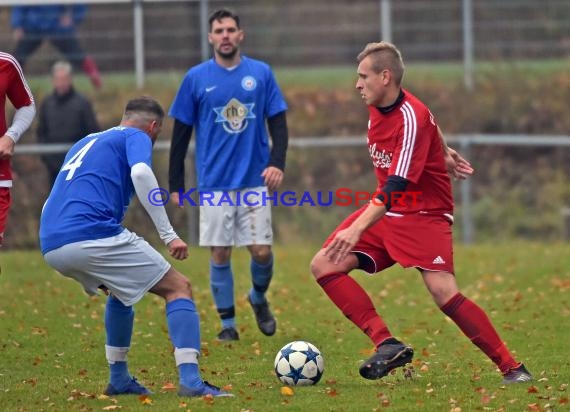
column 457, row 166
column 145, row 184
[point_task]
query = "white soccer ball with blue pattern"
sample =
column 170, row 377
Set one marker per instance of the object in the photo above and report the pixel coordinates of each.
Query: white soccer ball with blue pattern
column 299, row 363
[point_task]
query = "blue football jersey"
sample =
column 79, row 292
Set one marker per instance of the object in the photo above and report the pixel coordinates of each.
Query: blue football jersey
column 93, row 188
column 228, row 110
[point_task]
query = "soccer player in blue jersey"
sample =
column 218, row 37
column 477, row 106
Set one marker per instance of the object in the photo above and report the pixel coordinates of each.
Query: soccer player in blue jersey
column 81, row 236
column 231, row 100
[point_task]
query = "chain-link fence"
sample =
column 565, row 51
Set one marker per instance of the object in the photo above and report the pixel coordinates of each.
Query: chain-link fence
column 319, row 32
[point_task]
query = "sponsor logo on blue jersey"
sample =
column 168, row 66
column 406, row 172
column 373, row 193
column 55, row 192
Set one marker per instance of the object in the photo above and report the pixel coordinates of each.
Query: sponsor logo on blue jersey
column 234, row 115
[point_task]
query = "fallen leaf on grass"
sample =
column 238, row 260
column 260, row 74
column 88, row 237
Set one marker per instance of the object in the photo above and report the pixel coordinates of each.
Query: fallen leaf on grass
column 532, row 389
column 76, row 394
column 560, row 283
column 331, row 392
column 287, row 391
column 563, row 401
column 534, row 407
column 168, row 386
column 145, row 400
column 31, row 381
column 112, row 407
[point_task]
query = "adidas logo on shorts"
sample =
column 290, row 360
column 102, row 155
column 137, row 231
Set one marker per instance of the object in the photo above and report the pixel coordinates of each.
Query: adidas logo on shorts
column 438, row 261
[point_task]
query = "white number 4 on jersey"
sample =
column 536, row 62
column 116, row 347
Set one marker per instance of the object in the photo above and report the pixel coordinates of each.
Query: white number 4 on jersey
column 77, row 159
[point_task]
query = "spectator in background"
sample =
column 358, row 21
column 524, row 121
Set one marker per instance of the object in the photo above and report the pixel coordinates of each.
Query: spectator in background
column 65, row 116
column 14, row 87
column 56, row 23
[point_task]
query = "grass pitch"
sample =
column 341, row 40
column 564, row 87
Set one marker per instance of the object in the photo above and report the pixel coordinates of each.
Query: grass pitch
column 52, row 338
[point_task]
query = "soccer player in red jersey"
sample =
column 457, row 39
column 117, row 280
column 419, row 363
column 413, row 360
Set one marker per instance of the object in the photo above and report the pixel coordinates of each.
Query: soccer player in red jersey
column 14, row 87
column 409, row 156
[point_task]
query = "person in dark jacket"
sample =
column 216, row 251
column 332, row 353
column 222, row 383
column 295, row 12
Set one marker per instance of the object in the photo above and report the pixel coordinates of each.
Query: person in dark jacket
column 32, row 25
column 65, row 116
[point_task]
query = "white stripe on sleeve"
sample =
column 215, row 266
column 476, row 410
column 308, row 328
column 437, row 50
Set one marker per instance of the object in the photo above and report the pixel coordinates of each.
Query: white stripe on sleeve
column 410, row 130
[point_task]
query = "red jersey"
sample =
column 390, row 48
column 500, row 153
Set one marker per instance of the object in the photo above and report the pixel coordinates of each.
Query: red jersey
column 14, row 87
column 405, row 142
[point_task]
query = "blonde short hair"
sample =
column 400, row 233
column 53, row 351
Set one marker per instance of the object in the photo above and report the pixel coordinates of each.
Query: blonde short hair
column 384, row 55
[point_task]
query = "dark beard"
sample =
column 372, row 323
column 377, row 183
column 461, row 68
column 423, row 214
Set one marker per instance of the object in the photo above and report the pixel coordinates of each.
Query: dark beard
column 228, row 56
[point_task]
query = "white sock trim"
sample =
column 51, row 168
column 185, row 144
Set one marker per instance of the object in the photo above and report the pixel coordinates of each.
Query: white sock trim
column 186, row 355
column 116, row 354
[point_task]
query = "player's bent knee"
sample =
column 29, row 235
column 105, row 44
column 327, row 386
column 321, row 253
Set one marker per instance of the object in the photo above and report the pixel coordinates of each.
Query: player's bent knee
column 221, row 254
column 173, row 285
column 261, row 254
column 184, row 286
column 318, row 265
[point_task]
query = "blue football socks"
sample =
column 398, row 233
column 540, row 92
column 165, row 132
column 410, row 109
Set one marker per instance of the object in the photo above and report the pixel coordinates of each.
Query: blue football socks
column 222, row 287
column 184, row 329
column 261, row 278
column 190, row 375
column 119, row 326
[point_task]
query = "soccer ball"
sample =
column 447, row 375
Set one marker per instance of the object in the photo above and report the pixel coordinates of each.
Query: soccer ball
column 299, row 363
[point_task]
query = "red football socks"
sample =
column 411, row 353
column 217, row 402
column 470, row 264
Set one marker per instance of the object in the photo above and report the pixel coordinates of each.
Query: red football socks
column 355, row 304
column 476, row 325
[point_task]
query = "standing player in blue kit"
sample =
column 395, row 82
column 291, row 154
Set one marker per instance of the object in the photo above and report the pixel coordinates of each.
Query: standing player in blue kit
column 227, row 100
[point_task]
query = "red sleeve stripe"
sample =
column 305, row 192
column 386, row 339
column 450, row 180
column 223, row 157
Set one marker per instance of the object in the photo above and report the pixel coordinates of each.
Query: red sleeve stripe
column 9, row 58
column 410, row 130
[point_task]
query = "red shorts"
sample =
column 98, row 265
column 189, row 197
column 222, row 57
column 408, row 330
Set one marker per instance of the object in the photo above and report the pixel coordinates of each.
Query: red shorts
column 5, row 201
column 418, row 240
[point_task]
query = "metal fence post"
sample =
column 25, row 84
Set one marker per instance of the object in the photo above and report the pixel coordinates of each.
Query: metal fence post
column 468, row 51
column 204, row 29
column 385, row 20
column 139, row 42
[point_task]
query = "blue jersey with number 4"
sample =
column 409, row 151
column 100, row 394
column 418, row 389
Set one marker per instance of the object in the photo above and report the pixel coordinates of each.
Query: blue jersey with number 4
column 228, row 109
column 93, row 188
